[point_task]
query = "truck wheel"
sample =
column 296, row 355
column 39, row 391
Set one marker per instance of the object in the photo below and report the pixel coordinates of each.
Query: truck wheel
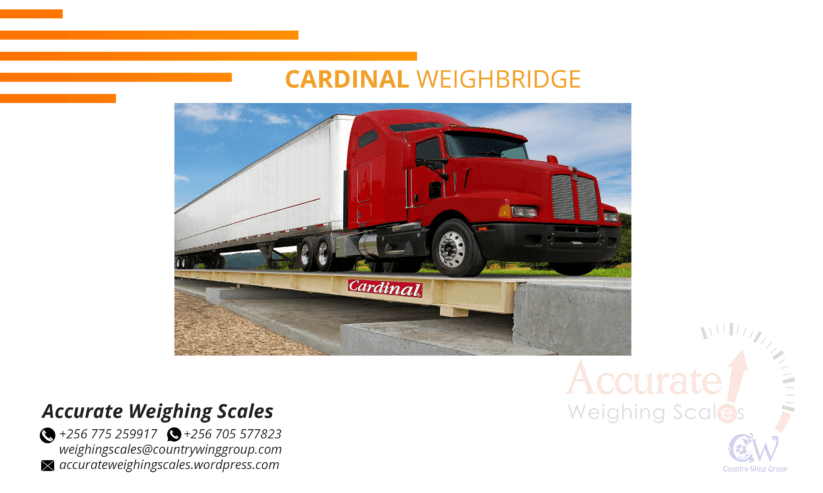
column 323, row 254
column 343, row 264
column 222, row 262
column 306, row 254
column 177, row 263
column 573, row 268
column 455, row 251
column 392, row 267
column 375, row 266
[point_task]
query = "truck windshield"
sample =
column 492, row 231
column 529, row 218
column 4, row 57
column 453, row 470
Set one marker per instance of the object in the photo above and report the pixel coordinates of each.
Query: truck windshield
column 484, row 145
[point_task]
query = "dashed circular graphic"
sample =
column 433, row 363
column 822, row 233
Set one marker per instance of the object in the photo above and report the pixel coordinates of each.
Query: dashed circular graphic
column 763, row 347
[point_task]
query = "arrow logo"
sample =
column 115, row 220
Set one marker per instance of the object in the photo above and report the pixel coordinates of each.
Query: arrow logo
column 738, row 366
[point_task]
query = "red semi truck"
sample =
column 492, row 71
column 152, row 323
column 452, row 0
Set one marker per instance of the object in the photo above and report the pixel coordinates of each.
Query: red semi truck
column 421, row 185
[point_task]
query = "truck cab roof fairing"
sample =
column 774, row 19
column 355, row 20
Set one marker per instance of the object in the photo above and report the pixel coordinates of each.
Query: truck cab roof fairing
column 371, row 120
column 391, row 117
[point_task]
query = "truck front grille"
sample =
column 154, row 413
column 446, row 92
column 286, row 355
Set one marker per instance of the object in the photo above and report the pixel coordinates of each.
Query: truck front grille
column 587, row 199
column 562, row 198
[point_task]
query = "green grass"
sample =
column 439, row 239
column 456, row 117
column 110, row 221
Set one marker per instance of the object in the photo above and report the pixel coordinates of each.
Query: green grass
column 519, row 271
column 613, row 272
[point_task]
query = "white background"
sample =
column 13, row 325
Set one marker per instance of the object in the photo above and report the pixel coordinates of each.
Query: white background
column 726, row 166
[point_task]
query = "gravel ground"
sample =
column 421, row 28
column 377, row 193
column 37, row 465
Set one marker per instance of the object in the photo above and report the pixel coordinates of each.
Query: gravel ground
column 201, row 328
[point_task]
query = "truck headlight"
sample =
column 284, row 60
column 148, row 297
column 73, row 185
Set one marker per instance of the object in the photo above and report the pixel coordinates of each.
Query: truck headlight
column 523, row 211
column 611, row 217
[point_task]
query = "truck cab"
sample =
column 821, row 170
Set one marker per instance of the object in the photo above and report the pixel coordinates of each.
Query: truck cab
column 422, row 184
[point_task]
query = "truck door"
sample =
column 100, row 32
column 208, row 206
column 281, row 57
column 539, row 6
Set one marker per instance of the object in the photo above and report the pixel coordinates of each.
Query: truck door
column 425, row 185
column 364, row 178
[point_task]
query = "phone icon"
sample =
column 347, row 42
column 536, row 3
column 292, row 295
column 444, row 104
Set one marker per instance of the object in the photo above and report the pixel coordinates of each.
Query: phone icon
column 47, row 435
column 173, row 434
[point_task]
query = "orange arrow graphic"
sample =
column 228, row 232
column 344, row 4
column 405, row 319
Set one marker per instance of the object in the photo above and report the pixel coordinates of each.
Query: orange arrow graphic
column 738, row 366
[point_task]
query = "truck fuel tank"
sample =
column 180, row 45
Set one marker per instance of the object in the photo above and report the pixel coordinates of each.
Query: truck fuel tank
column 368, row 246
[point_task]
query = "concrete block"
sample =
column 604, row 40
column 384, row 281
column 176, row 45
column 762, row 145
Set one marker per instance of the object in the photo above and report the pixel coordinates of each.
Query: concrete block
column 450, row 311
column 574, row 318
column 216, row 295
column 442, row 337
column 304, row 335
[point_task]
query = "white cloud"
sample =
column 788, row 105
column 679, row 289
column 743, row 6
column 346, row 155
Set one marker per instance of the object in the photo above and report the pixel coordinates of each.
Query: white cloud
column 300, row 122
column 178, row 177
column 201, row 117
column 269, row 118
column 204, row 117
column 205, row 127
column 211, row 111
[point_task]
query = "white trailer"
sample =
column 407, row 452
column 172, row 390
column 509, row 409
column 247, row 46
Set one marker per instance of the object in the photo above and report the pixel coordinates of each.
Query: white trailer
column 291, row 192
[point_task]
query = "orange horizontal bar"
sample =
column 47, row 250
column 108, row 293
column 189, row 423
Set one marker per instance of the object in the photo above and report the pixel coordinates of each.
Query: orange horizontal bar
column 148, row 35
column 116, row 77
column 58, row 98
column 31, row 13
column 186, row 56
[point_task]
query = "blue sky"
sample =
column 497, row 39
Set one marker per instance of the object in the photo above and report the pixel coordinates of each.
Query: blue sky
column 213, row 141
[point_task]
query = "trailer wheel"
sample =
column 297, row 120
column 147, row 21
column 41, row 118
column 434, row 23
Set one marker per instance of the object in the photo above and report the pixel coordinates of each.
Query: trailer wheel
column 573, row 268
column 455, row 251
column 306, row 258
column 177, row 263
column 323, row 254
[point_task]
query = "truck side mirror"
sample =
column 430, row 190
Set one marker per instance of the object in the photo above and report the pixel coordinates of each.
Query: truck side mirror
column 407, row 153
